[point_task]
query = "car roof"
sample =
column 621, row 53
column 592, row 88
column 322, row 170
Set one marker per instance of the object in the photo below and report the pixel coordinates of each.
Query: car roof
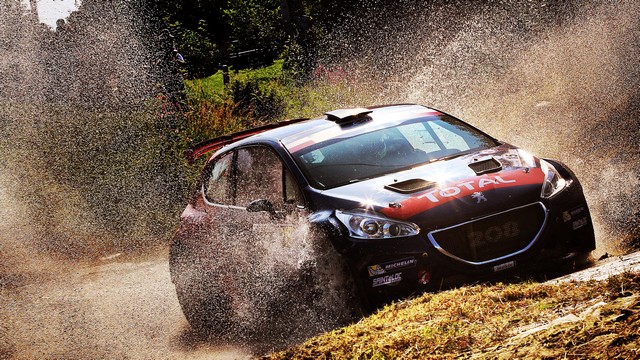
column 377, row 114
column 294, row 133
column 367, row 120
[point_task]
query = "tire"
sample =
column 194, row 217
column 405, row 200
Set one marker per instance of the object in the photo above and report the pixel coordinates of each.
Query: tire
column 202, row 300
column 582, row 261
column 332, row 286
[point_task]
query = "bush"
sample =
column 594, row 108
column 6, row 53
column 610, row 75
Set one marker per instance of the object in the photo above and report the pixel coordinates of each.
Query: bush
column 248, row 101
column 254, row 102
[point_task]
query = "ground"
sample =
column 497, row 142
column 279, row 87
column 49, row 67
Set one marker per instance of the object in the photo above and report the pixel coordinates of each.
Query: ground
column 127, row 308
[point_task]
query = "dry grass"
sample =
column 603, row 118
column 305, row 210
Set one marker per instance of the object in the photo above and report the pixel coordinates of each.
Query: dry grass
column 530, row 320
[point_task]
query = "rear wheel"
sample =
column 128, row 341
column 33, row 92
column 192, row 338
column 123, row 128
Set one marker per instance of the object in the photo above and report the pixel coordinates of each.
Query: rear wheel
column 581, row 261
column 203, row 302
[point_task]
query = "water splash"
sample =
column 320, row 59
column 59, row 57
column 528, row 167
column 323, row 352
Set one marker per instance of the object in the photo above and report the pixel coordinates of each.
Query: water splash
column 85, row 133
column 558, row 79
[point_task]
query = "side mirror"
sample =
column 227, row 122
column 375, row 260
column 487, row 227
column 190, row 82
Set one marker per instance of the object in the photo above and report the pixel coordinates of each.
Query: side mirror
column 261, row 205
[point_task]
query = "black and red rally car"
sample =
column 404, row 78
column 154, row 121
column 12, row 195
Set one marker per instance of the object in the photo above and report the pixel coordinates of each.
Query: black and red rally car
column 408, row 196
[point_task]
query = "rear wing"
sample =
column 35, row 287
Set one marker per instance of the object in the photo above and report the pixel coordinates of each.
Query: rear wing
column 206, row 146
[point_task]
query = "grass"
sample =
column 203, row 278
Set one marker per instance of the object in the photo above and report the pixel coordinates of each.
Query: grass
column 213, row 86
column 212, row 110
column 529, row 320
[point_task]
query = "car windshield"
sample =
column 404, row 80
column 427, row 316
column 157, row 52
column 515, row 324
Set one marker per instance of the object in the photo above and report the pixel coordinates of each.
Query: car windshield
column 340, row 161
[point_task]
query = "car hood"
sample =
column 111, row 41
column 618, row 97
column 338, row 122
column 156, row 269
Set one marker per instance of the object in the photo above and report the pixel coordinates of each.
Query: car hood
column 448, row 191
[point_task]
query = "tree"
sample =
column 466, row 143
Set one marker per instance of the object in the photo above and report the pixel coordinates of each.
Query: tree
column 201, row 33
column 214, row 33
column 257, row 31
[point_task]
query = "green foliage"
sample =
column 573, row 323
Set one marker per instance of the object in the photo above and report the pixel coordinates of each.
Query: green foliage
column 201, row 54
column 214, row 33
column 262, row 104
column 255, row 24
column 254, row 97
column 258, row 96
column 296, row 66
column 244, row 105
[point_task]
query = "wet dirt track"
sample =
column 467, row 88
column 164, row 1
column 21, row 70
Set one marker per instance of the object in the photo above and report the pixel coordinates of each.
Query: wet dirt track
column 115, row 310
column 130, row 310
column 582, row 93
column 605, row 268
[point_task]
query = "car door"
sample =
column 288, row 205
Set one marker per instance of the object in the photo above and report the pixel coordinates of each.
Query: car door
column 274, row 221
column 264, row 229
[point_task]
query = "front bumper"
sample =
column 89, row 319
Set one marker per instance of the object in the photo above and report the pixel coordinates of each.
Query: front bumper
column 391, row 269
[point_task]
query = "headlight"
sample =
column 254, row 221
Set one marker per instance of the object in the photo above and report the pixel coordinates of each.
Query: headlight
column 367, row 225
column 553, row 181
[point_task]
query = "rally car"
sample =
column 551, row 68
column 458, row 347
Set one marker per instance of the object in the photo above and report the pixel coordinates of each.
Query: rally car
column 409, row 198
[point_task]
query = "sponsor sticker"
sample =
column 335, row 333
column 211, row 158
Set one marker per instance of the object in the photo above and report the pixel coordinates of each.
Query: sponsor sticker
column 577, row 211
column 572, row 214
column 387, row 280
column 505, row 266
column 579, row 223
column 513, row 158
column 375, row 270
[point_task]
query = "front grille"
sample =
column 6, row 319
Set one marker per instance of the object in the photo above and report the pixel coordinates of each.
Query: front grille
column 494, row 237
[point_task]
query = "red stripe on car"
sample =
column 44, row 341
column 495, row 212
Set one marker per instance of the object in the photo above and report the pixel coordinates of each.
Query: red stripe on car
column 443, row 194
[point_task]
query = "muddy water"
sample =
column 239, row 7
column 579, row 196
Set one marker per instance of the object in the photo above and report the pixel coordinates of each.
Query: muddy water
column 566, row 90
column 561, row 83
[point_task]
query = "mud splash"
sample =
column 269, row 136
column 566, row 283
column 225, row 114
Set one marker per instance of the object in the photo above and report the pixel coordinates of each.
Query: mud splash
column 262, row 286
column 558, row 80
column 87, row 144
column 86, row 168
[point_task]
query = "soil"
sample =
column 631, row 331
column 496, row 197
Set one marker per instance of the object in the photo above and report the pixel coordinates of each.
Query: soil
column 128, row 309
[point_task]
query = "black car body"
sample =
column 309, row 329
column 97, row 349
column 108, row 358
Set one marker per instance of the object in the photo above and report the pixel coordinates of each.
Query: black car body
column 409, row 196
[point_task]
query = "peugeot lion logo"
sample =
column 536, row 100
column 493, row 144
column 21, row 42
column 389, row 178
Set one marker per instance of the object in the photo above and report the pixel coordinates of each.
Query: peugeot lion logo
column 479, row 197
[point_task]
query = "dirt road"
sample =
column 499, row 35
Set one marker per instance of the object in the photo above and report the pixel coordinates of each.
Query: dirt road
column 605, row 268
column 114, row 310
column 129, row 310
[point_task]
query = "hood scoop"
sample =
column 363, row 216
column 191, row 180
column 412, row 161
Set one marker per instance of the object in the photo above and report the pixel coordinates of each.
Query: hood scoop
column 410, row 186
column 486, row 166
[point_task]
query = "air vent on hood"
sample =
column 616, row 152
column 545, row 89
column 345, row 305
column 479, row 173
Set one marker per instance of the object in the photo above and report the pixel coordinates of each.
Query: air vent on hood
column 486, row 166
column 410, row 186
column 346, row 116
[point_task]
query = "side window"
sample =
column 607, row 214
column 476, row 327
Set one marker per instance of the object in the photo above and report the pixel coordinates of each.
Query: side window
column 262, row 175
column 217, row 184
column 292, row 194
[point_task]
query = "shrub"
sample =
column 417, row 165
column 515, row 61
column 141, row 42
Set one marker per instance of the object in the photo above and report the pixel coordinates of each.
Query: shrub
column 255, row 102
